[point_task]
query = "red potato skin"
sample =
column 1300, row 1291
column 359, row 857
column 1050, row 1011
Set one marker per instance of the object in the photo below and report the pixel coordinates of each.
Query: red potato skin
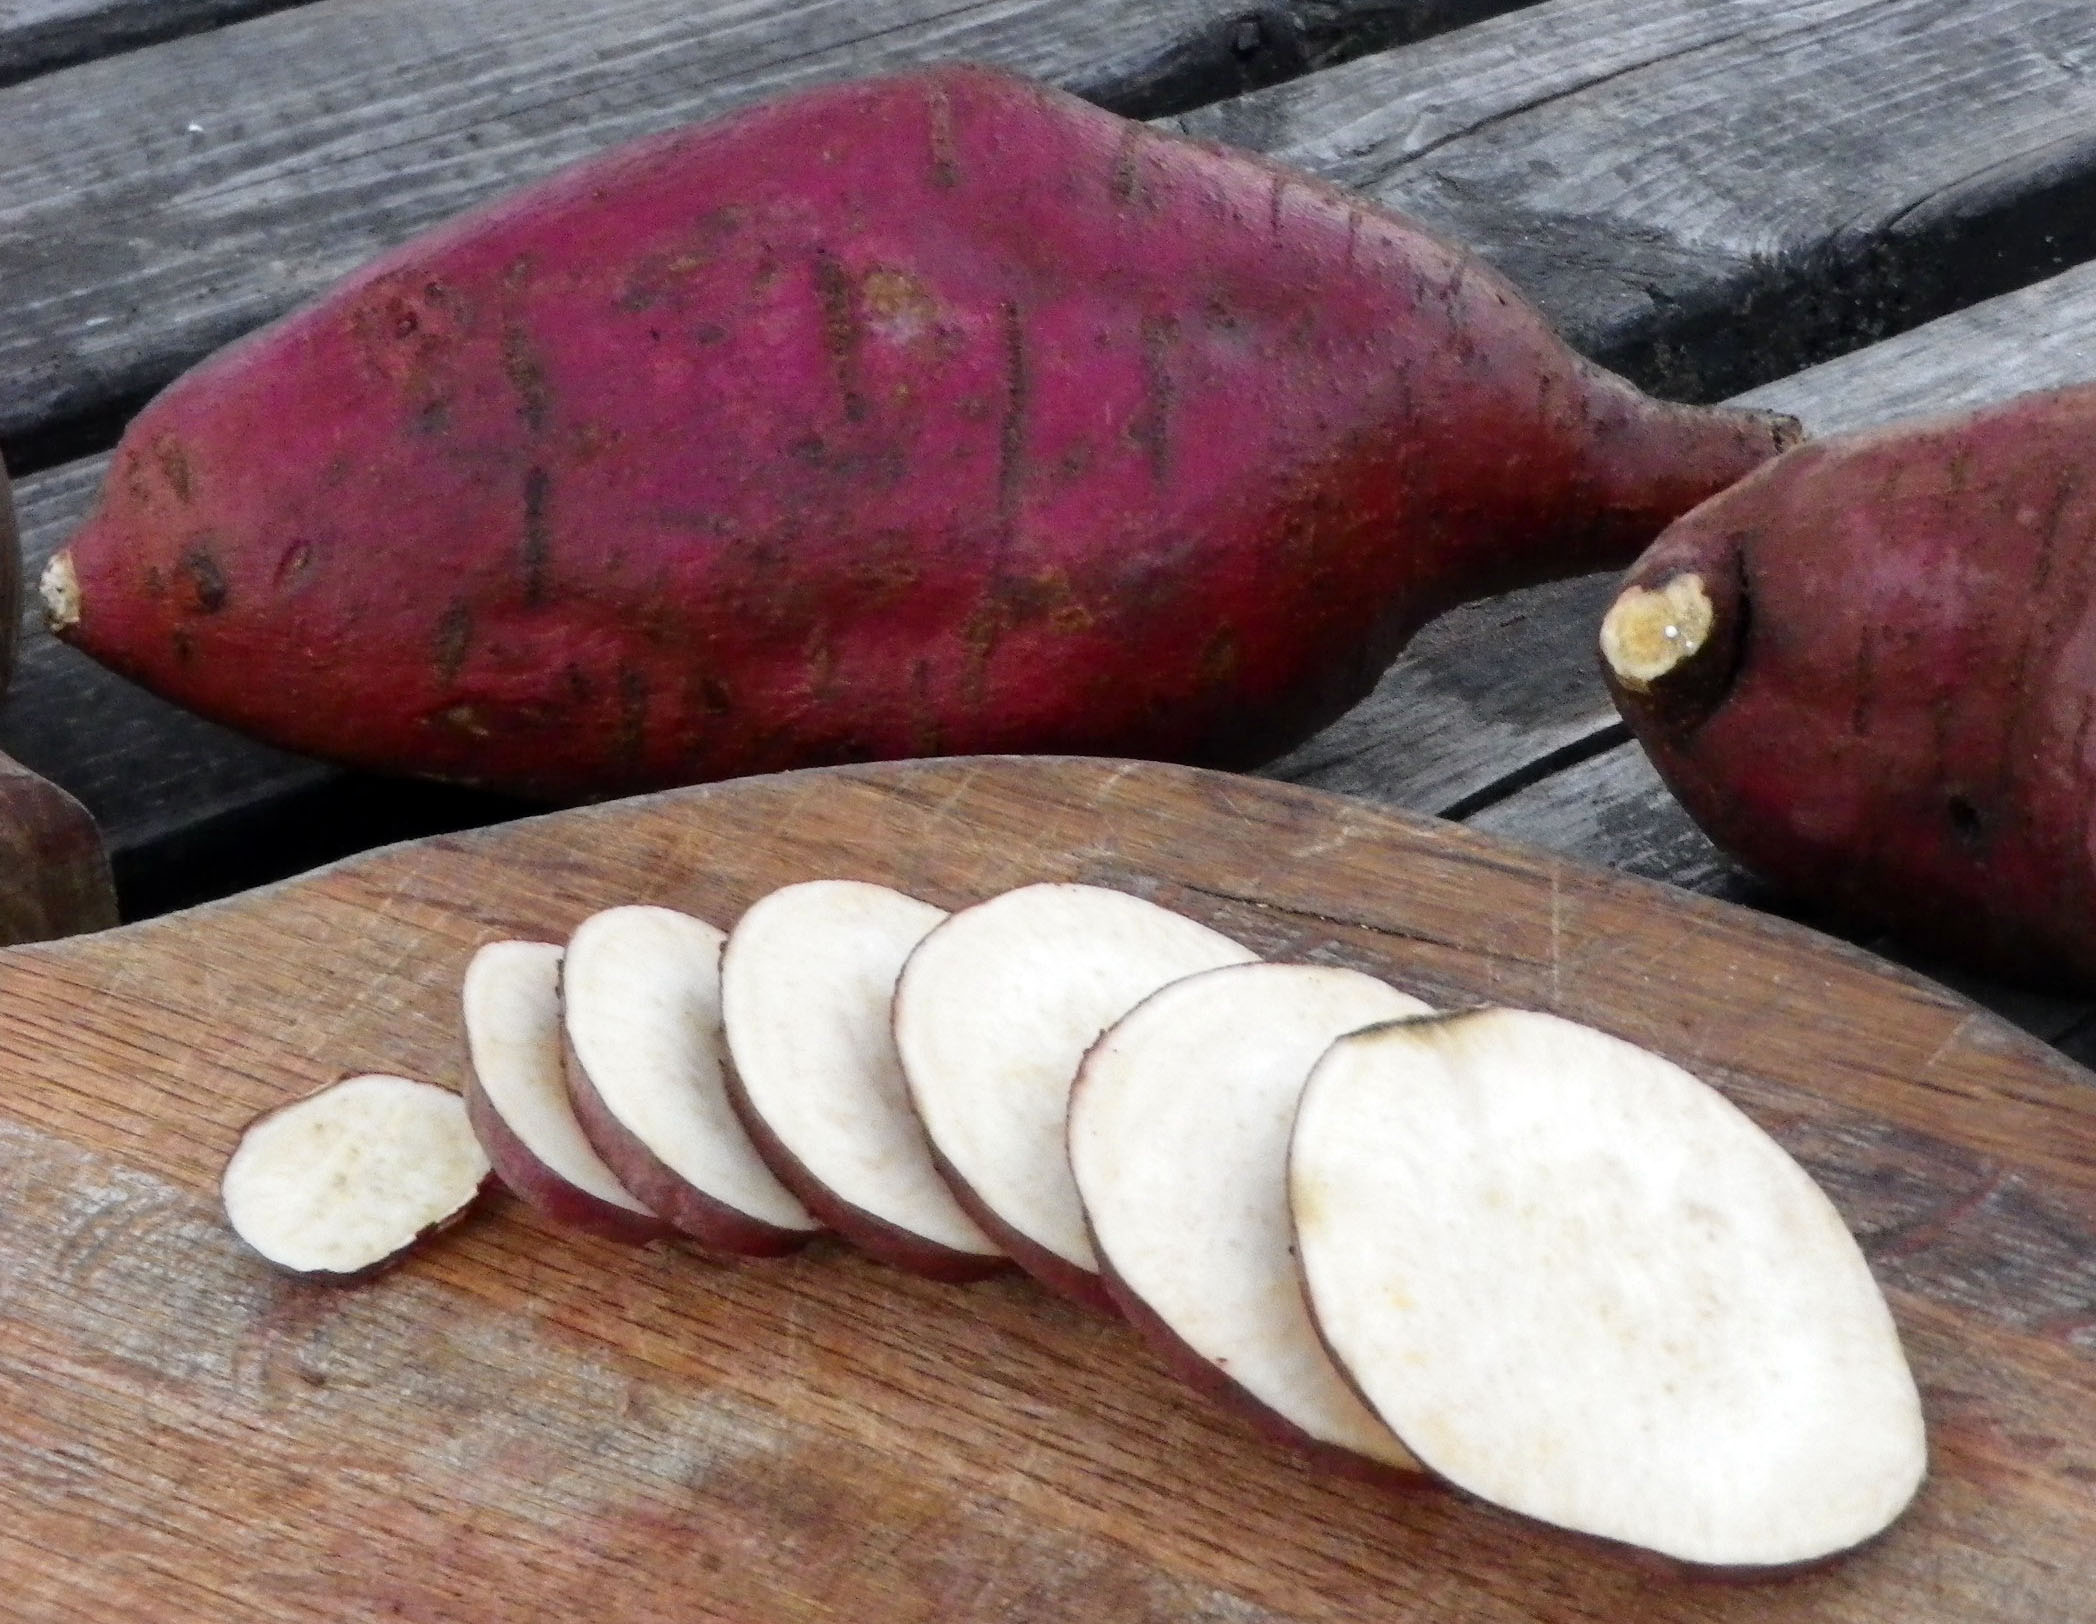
column 870, row 1233
column 935, row 414
column 1895, row 716
column 712, row 1223
column 1057, row 1273
column 537, row 1185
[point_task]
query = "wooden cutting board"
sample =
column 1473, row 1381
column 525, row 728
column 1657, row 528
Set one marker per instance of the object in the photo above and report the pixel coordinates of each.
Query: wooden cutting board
column 522, row 1424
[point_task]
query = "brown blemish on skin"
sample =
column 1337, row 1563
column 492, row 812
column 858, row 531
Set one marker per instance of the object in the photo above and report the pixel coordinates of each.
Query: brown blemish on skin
column 174, row 467
column 633, row 717
column 454, row 637
column 1219, row 658
column 841, row 333
column 1011, row 434
column 538, row 539
column 527, row 375
column 294, row 562
column 1151, row 428
column 207, row 584
column 184, row 645
column 946, row 161
column 1122, row 182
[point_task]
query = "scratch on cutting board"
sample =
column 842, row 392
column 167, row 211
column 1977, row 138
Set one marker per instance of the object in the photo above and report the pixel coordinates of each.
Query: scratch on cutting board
column 1949, row 1042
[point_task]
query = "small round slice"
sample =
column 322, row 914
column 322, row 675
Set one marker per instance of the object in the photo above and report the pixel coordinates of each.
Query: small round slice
column 1179, row 1129
column 807, row 981
column 641, row 994
column 346, row 1181
column 1582, row 1285
column 517, row 1099
column 993, row 1012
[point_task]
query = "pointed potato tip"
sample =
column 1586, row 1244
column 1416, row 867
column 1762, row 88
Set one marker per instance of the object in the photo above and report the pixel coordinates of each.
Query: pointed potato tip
column 60, row 587
column 1649, row 632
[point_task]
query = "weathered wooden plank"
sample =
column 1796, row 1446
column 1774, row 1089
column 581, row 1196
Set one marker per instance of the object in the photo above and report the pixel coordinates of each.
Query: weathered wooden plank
column 1708, row 194
column 37, row 36
column 1499, row 694
column 157, row 204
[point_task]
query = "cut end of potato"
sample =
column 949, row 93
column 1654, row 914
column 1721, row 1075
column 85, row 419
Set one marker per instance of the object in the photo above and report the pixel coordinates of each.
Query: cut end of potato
column 1581, row 1285
column 345, row 1181
column 60, row 587
column 1648, row 633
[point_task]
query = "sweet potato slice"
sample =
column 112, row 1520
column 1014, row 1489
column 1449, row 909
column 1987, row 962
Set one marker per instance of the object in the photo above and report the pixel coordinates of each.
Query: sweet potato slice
column 993, row 1012
column 641, row 1003
column 350, row 1179
column 807, row 989
column 517, row 1096
column 1580, row 1284
column 1179, row 1128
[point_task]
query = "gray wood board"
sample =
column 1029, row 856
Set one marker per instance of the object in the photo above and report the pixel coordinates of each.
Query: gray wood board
column 37, row 36
column 1710, row 193
column 157, row 204
column 1487, row 700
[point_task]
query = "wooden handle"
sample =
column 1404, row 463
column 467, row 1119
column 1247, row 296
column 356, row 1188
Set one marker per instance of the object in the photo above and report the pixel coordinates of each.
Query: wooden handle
column 54, row 869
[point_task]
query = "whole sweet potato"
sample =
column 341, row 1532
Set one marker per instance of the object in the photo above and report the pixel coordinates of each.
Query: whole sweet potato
column 935, row 414
column 1869, row 672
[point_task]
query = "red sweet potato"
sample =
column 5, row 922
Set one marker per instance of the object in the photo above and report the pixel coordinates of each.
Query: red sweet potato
column 1869, row 672
column 935, row 414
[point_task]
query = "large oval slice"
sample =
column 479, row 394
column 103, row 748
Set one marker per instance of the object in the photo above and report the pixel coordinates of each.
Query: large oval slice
column 993, row 1012
column 807, row 989
column 1582, row 1285
column 640, row 994
column 1179, row 1128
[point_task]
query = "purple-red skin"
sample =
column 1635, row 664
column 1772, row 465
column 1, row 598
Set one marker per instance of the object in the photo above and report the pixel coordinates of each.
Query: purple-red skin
column 1895, row 718
column 712, row 1223
column 933, row 414
column 872, row 1234
column 537, row 1185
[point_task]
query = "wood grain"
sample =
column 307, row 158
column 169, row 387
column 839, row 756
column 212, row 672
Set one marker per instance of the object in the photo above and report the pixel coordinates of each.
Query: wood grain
column 519, row 1423
column 1709, row 195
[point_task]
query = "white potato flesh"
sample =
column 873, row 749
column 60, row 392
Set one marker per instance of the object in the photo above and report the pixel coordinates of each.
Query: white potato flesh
column 1582, row 1285
column 1179, row 1128
column 807, row 989
column 350, row 1177
column 512, row 1016
column 994, row 1011
column 642, row 994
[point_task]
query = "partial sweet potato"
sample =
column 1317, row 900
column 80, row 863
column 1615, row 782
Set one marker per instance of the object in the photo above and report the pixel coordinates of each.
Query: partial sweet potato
column 932, row 414
column 1869, row 672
